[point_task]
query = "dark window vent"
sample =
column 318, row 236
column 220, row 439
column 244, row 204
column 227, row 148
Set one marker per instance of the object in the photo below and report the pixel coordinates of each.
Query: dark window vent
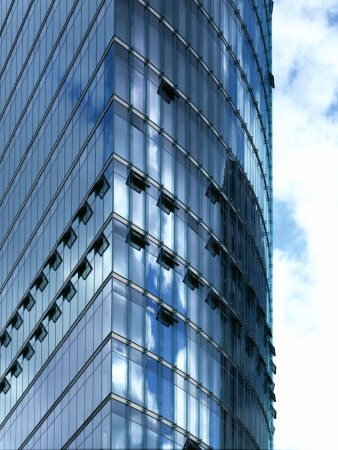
column 213, row 300
column 68, row 291
column 166, row 91
column 55, row 260
column 40, row 333
column 165, row 316
column 84, row 269
column 100, row 245
column 4, row 386
column 272, row 395
column 272, row 349
column 100, row 187
column 191, row 445
column 273, row 367
column 166, row 260
column 249, row 347
column 136, row 181
column 136, row 240
column 28, row 352
column 213, row 193
column 16, row 369
column 41, row 282
column 69, row 237
column 54, row 313
column 192, row 280
column 236, row 328
column 166, row 203
column 28, row 302
column 85, row 213
column 16, row 322
column 213, row 246
column 271, row 79
column 5, row 339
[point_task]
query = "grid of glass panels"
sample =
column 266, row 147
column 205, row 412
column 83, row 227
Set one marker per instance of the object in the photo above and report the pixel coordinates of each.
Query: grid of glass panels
column 135, row 219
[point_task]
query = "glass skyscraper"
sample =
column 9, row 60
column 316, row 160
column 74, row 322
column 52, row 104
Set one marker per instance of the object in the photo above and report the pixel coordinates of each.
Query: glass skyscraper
column 135, row 224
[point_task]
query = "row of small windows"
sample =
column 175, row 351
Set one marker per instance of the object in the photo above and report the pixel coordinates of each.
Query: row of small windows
column 67, row 293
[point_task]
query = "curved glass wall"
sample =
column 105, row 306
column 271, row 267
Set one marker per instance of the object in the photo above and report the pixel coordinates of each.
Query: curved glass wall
column 135, row 236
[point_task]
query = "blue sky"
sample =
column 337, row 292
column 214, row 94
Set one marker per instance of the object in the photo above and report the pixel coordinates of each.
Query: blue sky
column 305, row 66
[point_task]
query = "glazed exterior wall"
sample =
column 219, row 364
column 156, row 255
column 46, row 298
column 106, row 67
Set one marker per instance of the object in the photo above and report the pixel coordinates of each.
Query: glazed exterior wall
column 136, row 180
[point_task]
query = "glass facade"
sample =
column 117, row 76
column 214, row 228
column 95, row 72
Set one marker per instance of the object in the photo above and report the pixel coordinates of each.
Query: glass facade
column 135, row 224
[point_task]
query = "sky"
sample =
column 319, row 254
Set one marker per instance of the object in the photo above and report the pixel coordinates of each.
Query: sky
column 305, row 114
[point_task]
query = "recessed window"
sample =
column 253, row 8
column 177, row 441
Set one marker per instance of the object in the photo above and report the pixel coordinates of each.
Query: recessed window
column 101, row 244
column 40, row 333
column 68, row 291
column 166, row 203
column 236, row 328
column 41, row 281
column 100, row 187
column 165, row 316
column 192, row 280
column 28, row 302
column 213, row 300
column 16, row 322
column 136, row 181
column 84, row 269
column 213, row 193
column 16, row 369
column 4, row 386
column 213, row 246
column 166, row 91
column 5, row 339
column 54, row 313
column 55, row 260
column 28, row 351
column 69, row 237
column 166, row 260
column 136, row 240
column 85, row 213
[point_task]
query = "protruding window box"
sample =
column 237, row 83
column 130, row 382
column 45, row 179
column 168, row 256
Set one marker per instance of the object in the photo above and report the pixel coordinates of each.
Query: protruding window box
column 40, row 333
column 15, row 369
column 192, row 280
column 213, row 193
column 85, row 213
column 5, row 339
column 69, row 237
column 166, row 260
column 273, row 367
column 100, row 245
column 165, row 316
column 100, row 187
column 166, row 203
column 84, row 269
column 68, row 291
column 272, row 395
column 272, row 349
column 55, row 260
column 166, row 91
column 16, row 322
column 136, row 240
column 271, row 79
column 41, row 281
column 28, row 351
column 4, row 386
column 136, row 181
column 191, row 445
column 28, row 302
column 260, row 365
column 213, row 300
column 213, row 246
column 274, row 413
column 54, row 312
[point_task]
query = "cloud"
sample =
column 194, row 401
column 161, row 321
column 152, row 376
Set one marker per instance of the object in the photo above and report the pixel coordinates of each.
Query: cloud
column 305, row 36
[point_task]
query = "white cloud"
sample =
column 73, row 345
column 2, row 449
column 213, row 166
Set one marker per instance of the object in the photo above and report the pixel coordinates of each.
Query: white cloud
column 305, row 177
